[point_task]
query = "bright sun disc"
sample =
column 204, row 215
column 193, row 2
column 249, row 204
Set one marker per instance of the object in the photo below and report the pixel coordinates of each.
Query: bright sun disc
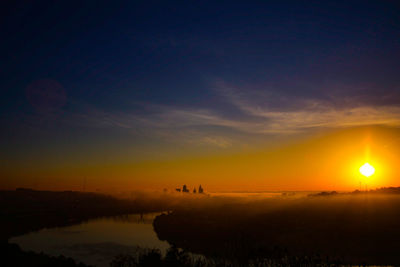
column 367, row 170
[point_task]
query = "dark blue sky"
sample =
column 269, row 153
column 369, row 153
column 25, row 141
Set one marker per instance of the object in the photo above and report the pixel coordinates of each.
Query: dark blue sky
column 143, row 74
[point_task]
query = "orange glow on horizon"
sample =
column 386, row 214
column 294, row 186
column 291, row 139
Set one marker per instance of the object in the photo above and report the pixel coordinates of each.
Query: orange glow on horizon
column 328, row 161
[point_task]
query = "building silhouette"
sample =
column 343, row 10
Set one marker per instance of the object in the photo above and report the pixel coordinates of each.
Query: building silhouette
column 184, row 189
column 201, row 190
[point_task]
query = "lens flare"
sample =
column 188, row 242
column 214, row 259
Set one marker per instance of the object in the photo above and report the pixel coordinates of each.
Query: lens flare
column 367, row 170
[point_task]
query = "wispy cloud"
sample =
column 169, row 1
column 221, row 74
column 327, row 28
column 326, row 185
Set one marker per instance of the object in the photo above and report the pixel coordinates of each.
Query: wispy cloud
column 286, row 114
column 164, row 119
column 262, row 113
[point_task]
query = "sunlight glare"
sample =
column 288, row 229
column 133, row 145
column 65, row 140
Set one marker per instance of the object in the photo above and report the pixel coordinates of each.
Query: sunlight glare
column 367, row 170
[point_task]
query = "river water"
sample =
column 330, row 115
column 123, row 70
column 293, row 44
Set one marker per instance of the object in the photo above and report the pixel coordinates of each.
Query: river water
column 95, row 242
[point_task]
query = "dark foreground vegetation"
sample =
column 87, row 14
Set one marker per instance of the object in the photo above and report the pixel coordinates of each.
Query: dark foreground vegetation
column 341, row 228
column 181, row 258
column 13, row 256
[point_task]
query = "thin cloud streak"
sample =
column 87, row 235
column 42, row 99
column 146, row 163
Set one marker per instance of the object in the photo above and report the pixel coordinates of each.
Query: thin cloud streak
column 291, row 115
column 262, row 113
column 264, row 121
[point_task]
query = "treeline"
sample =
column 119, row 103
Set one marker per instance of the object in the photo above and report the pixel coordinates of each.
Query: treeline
column 377, row 191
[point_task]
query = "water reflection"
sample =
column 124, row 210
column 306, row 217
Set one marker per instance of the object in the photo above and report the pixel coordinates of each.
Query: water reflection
column 98, row 241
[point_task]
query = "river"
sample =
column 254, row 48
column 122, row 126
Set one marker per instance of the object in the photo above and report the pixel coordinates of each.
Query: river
column 95, row 242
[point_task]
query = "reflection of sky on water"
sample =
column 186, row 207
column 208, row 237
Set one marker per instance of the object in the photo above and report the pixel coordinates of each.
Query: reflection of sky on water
column 96, row 241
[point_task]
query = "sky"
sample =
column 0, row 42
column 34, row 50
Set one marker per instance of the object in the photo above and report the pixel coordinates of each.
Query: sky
column 233, row 95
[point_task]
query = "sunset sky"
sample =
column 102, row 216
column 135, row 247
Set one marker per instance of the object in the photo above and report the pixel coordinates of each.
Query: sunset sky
column 146, row 95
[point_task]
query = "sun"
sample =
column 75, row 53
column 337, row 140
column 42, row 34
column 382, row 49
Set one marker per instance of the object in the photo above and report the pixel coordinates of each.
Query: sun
column 367, row 170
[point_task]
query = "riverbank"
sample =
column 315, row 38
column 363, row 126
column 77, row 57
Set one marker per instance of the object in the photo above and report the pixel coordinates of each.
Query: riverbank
column 25, row 210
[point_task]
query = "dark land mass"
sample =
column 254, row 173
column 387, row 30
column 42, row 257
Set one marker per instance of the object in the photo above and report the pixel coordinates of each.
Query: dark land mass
column 356, row 228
